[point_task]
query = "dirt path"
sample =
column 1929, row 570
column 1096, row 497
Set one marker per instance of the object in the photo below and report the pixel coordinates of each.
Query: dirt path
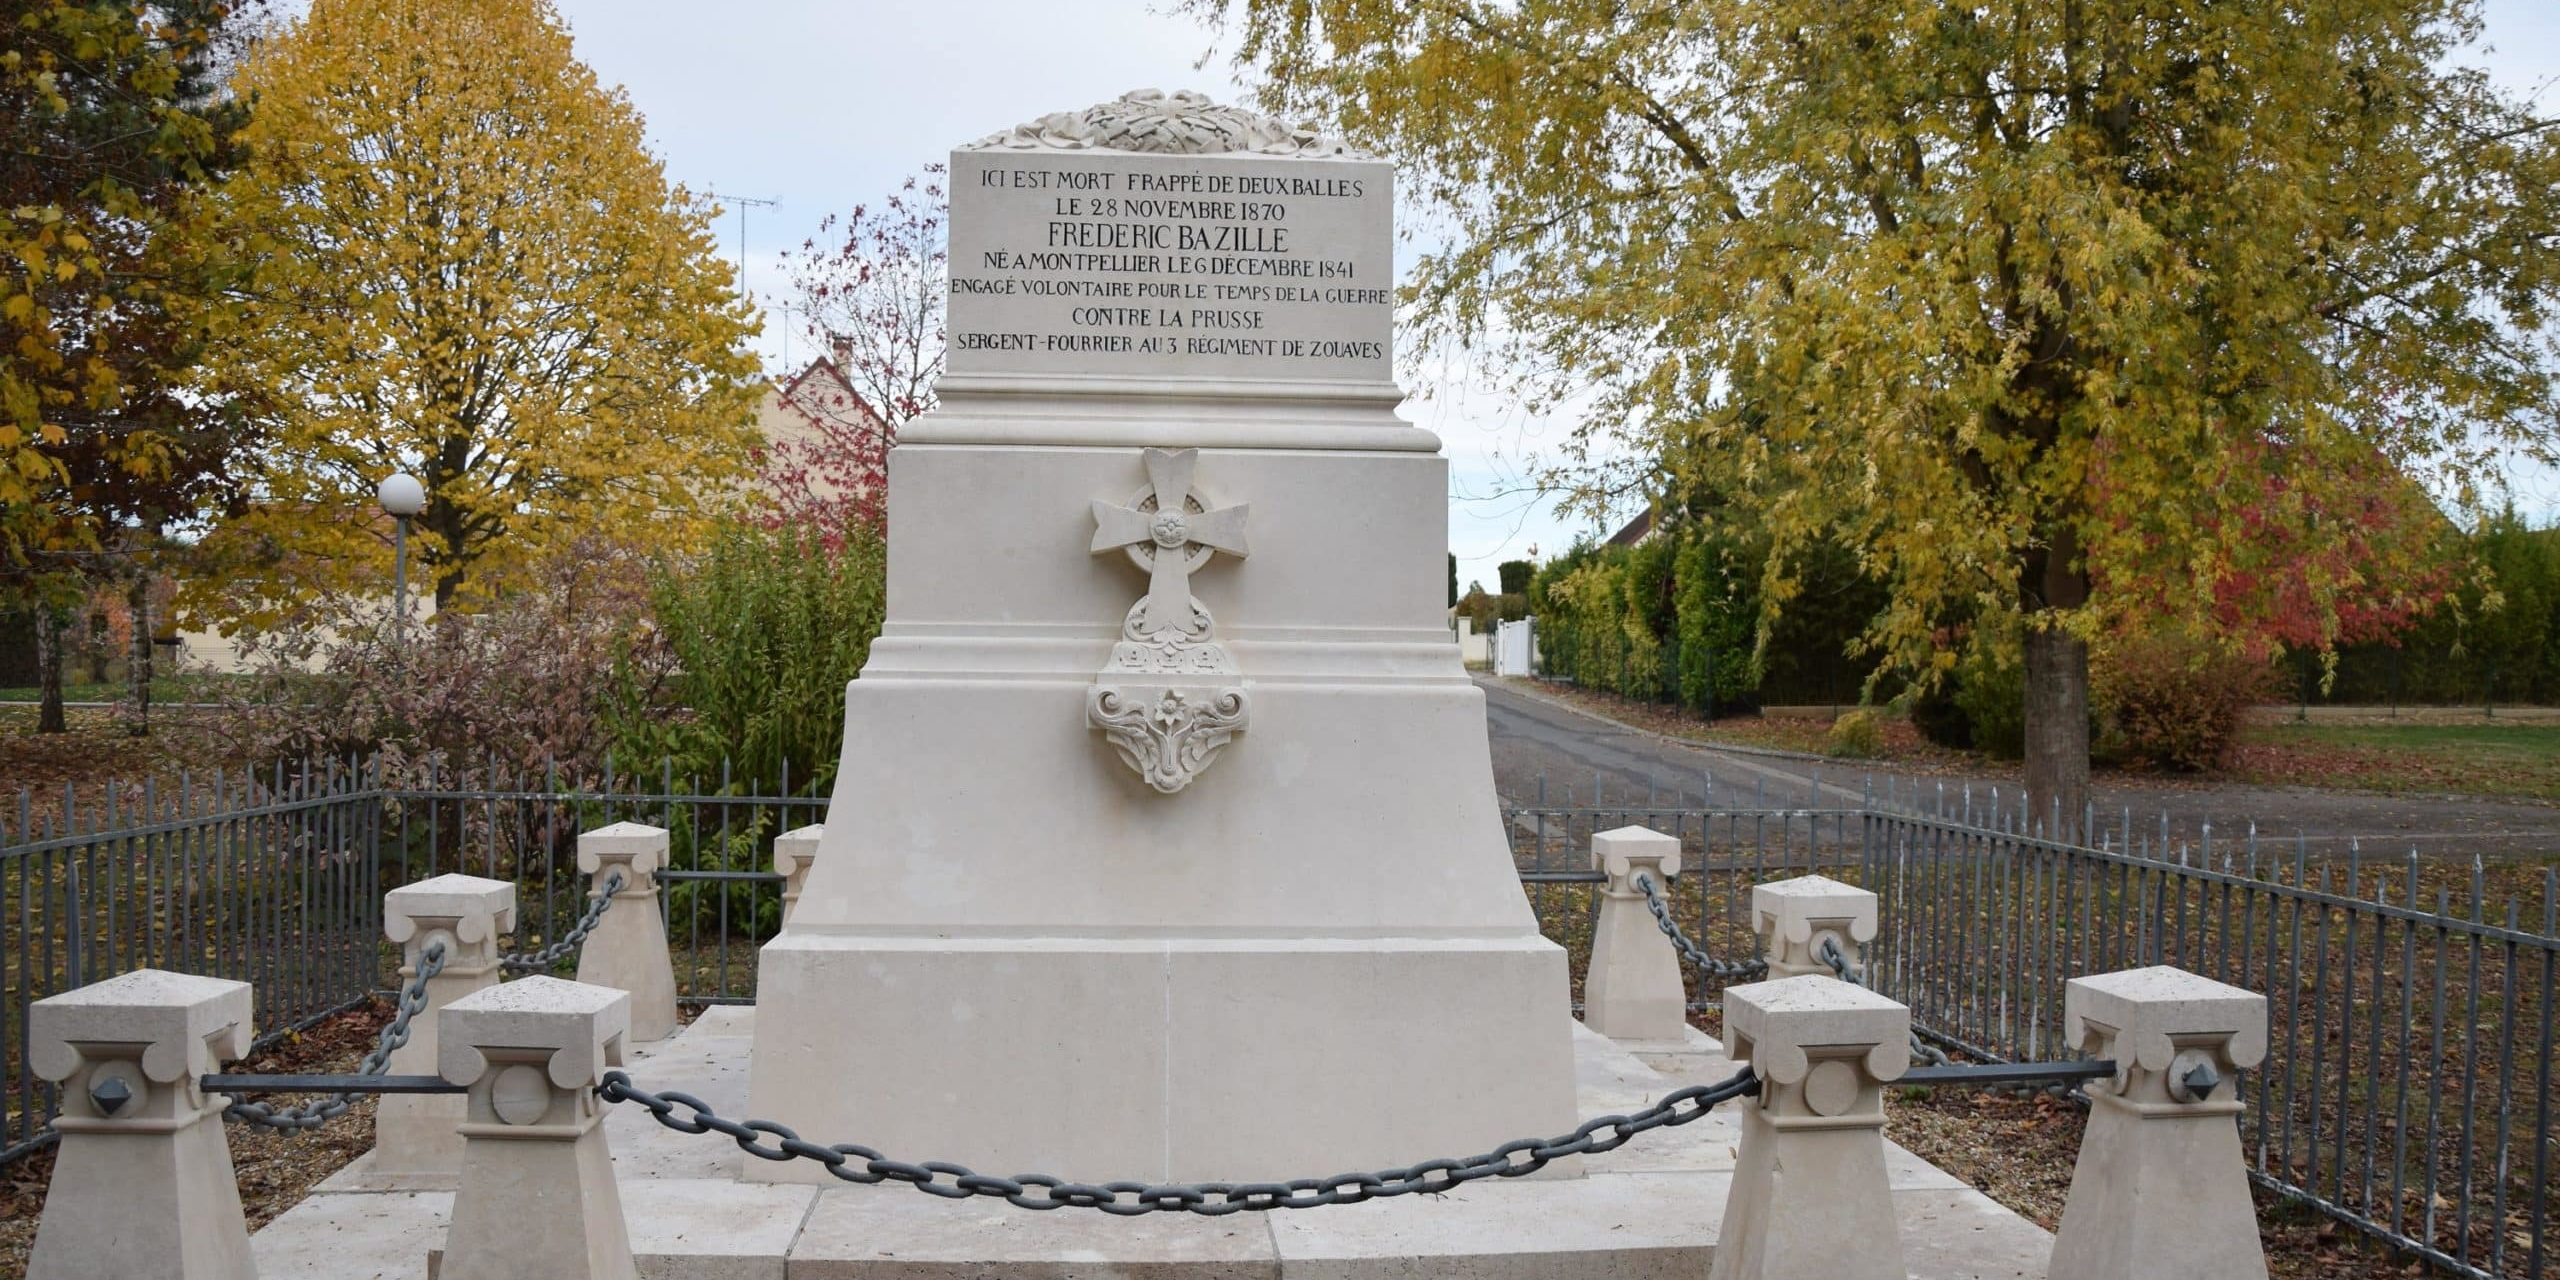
column 1578, row 753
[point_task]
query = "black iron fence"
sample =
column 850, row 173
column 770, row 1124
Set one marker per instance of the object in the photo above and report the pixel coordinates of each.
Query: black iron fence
column 1727, row 844
column 721, row 897
column 2409, row 1088
column 265, row 878
column 2409, row 1091
column 276, row 878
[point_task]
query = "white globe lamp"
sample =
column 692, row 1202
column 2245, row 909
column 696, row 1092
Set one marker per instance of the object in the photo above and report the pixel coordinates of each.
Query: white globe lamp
column 402, row 497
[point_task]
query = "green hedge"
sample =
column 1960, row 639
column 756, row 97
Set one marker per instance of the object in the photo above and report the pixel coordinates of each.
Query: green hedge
column 1674, row 620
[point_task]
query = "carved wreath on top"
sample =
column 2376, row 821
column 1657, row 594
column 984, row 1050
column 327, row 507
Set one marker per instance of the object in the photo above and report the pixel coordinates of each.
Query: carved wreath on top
column 1183, row 122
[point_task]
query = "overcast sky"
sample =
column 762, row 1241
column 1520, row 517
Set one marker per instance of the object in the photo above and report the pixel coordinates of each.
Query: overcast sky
column 825, row 104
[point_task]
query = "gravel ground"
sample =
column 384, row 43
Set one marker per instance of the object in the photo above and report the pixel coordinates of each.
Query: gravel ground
column 2019, row 1151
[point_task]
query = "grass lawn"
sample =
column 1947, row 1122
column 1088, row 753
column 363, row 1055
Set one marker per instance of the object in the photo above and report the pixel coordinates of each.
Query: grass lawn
column 2484, row 758
column 196, row 686
column 2513, row 759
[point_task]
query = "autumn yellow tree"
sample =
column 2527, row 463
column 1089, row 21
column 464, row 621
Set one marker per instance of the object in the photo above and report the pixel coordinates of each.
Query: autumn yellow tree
column 472, row 269
column 105, row 118
column 112, row 122
column 2022, row 302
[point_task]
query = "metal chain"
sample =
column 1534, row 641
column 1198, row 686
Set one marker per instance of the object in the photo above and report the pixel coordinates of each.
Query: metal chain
column 413, row 1001
column 1690, row 951
column 395, row 1033
column 861, row 1164
column 537, row 961
column 1921, row 1050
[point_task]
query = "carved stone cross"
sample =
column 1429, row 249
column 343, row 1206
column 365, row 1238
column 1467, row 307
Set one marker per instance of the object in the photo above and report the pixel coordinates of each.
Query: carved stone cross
column 1170, row 699
column 1171, row 540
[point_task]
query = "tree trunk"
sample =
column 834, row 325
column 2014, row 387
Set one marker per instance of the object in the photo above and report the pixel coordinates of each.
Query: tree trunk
column 50, row 624
column 2057, row 685
column 98, row 631
column 445, row 524
column 2057, row 730
column 137, row 665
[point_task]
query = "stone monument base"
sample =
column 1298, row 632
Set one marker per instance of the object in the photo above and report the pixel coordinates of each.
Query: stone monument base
column 1649, row 1209
column 1016, row 952
column 1176, row 1060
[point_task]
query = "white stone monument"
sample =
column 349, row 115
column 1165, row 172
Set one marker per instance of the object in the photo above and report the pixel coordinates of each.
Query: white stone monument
column 1149, row 857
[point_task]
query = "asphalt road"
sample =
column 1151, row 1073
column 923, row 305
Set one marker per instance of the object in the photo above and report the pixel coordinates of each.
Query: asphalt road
column 1579, row 756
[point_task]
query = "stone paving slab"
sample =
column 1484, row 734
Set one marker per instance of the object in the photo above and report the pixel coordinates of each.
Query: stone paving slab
column 708, row 1060
column 1962, row 1234
column 716, row 1020
column 1692, row 1044
column 713, row 1230
column 1608, row 1078
column 358, row 1177
column 892, row 1233
column 1601, row 1227
column 1651, row 1208
column 360, row 1236
column 680, row 1230
column 1701, row 1146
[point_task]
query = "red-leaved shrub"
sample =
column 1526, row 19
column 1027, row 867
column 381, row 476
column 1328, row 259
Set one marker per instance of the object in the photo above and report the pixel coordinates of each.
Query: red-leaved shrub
column 2176, row 701
column 517, row 685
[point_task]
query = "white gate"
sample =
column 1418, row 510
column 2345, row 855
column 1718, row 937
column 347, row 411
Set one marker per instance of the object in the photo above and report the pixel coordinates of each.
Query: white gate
column 1511, row 645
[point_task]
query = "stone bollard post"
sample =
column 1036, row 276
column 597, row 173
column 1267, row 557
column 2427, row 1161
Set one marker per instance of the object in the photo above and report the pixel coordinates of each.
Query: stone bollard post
column 143, row 1188
column 1809, row 1198
column 794, row 852
column 414, row 1133
column 1795, row 917
column 1633, row 989
column 2160, row 1189
column 628, row 949
column 537, row 1197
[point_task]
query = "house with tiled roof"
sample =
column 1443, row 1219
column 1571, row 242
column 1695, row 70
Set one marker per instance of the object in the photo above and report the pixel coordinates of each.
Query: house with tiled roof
column 815, row 419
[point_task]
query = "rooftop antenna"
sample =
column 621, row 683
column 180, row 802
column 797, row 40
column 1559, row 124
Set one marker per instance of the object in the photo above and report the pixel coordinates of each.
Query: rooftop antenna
column 743, row 203
column 787, row 309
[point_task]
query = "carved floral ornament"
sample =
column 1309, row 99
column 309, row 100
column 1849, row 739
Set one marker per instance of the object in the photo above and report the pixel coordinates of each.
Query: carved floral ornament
column 1173, row 739
column 1182, row 123
column 1170, row 699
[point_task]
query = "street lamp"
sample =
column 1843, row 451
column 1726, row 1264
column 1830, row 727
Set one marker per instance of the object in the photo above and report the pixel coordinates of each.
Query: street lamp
column 402, row 497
